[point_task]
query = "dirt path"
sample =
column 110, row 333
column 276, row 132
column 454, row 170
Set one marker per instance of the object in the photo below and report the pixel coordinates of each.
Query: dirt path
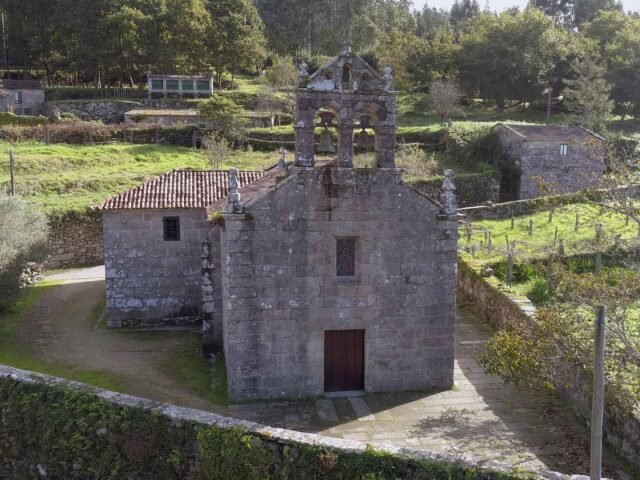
column 60, row 332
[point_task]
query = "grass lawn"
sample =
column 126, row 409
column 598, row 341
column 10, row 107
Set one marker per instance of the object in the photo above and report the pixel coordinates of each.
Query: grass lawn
column 541, row 242
column 69, row 177
column 19, row 354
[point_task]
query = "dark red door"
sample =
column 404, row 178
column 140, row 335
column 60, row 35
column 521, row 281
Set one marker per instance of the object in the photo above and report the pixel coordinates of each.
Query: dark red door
column 343, row 360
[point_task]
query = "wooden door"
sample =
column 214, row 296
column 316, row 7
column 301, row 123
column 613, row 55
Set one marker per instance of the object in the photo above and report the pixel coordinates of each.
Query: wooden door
column 343, row 360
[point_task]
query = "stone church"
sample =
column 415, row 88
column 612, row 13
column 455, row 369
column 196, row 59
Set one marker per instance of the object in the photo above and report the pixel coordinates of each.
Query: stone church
column 309, row 278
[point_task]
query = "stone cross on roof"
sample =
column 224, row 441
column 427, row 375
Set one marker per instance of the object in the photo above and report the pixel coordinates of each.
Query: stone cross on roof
column 234, row 205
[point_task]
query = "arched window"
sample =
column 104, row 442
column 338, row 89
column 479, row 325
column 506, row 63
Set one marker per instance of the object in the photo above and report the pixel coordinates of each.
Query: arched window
column 346, row 77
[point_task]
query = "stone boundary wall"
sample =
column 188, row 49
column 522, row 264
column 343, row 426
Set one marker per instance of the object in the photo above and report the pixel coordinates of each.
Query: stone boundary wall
column 499, row 306
column 108, row 111
column 518, row 208
column 75, row 239
column 473, row 189
column 118, row 428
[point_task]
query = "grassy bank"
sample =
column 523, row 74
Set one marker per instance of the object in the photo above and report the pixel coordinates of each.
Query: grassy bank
column 64, row 177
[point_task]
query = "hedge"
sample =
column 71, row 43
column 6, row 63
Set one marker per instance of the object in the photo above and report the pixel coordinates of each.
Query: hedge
column 59, row 429
column 8, row 118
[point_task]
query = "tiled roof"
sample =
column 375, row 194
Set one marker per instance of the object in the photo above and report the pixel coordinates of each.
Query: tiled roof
column 179, row 189
column 550, row 132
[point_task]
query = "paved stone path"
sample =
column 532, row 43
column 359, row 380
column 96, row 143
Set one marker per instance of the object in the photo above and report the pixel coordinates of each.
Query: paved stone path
column 479, row 416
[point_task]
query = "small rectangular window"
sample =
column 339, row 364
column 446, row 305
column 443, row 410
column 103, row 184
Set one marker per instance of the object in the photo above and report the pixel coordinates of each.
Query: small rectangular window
column 173, row 84
column 203, row 85
column 157, row 84
column 564, row 148
column 17, row 97
column 171, row 228
column 187, row 85
column 345, row 257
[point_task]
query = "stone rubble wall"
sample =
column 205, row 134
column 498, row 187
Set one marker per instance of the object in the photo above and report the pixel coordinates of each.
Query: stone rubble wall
column 470, row 189
column 102, row 110
column 498, row 306
column 518, row 208
column 285, row 445
column 75, row 239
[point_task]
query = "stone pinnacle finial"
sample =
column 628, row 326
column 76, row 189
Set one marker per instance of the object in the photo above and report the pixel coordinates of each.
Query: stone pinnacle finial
column 303, row 74
column 233, row 204
column 448, row 195
column 282, row 161
column 388, row 79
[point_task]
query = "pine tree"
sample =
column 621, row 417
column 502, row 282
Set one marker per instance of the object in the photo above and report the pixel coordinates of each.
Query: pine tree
column 591, row 92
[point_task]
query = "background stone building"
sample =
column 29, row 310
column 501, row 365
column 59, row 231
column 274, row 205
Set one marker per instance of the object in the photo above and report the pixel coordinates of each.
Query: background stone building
column 25, row 97
column 312, row 278
column 552, row 159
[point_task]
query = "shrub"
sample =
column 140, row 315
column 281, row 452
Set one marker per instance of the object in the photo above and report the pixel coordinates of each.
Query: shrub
column 540, row 292
column 8, row 118
column 23, row 238
column 471, row 143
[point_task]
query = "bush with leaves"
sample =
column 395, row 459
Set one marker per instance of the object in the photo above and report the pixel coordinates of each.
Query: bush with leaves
column 556, row 347
column 218, row 149
column 225, row 114
column 23, row 238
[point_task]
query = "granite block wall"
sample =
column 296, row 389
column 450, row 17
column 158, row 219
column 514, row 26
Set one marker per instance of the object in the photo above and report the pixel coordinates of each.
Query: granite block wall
column 74, row 240
column 280, row 289
column 150, row 281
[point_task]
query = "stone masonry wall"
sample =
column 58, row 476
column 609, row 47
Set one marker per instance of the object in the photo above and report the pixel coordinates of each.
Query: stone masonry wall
column 281, row 292
column 75, row 239
column 150, row 281
column 499, row 307
column 544, row 171
column 189, row 443
column 103, row 110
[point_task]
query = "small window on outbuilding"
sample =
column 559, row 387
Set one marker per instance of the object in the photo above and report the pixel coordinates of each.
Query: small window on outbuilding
column 17, row 97
column 171, row 229
column 157, row 84
column 564, row 149
column 345, row 257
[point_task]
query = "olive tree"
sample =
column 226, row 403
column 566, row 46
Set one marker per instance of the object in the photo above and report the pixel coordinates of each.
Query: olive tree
column 23, row 239
column 445, row 98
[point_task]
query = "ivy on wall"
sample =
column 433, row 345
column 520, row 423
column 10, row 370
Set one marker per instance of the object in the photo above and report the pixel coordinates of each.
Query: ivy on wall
column 54, row 431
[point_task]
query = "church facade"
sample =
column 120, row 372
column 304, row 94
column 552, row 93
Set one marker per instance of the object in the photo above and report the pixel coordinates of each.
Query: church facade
column 313, row 277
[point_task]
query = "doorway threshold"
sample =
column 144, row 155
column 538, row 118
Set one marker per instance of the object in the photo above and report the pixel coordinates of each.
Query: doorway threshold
column 344, row 394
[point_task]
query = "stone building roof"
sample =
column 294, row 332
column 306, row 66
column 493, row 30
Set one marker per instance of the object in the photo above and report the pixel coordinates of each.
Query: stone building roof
column 10, row 84
column 550, row 133
column 179, row 189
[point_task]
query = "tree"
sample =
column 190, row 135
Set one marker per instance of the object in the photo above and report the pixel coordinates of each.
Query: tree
column 445, row 98
column 434, row 58
column 591, row 92
column 282, row 78
column 219, row 150
column 587, row 10
column 513, row 56
column 463, row 10
column 23, row 238
column 225, row 115
column 235, row 40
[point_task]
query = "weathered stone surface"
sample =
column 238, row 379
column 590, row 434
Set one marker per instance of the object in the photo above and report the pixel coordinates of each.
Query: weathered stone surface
column 280, row 291
column 150, row 281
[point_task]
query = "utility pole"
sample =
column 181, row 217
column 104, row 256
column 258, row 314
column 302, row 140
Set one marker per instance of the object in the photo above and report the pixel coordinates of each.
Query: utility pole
column 597, row 407
column 13, row 178
column 3, row 19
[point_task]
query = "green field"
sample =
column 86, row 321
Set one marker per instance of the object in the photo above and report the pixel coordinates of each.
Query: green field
column 66, row 177
column 541, row 243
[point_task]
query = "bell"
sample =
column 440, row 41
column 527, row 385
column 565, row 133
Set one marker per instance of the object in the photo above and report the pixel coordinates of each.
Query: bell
column 326, row 145
column 363, row 139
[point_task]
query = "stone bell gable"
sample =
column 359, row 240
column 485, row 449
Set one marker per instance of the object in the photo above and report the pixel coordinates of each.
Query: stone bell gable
column 348, row 88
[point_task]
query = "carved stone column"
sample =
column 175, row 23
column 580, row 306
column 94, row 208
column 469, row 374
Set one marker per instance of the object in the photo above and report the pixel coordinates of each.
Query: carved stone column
column 385, row 146
column 345, row 145
column 304, row 145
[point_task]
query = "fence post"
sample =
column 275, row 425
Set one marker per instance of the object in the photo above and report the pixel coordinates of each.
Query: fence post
column 513, row 222
column 489, row 240
column 12, row 173
column 555, row 236
column 551, row 215
column 510, row 264
column 598, row 263
column 577, row 226
column 561, row 248
column 597, row 407
column 530, row 226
